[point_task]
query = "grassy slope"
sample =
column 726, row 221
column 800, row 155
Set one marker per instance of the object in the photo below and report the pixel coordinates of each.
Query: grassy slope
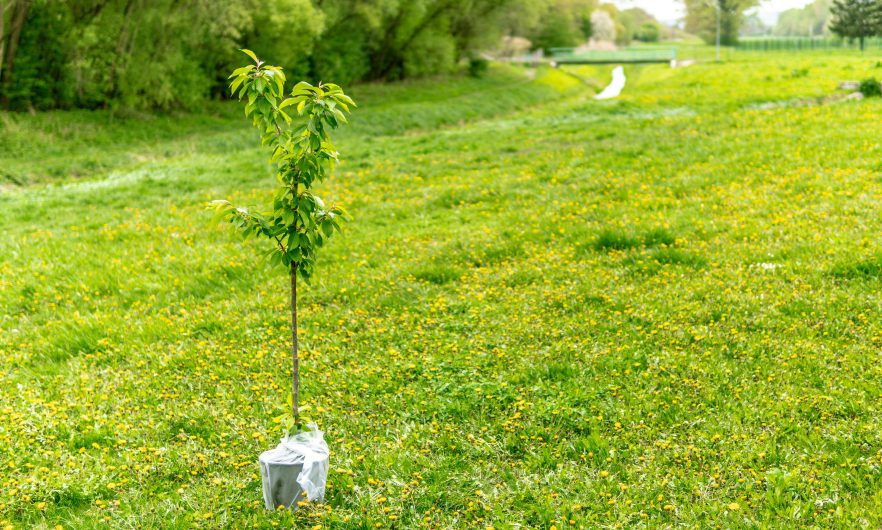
column 658, row 311
column 65, row 146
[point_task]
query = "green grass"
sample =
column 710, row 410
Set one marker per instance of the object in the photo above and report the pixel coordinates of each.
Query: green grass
column 660, row 311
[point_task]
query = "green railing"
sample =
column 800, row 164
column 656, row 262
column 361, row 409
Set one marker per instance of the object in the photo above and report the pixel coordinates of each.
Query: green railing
column 628, row 55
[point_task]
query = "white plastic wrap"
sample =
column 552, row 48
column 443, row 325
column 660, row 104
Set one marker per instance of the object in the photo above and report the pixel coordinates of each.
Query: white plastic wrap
column 298, row 464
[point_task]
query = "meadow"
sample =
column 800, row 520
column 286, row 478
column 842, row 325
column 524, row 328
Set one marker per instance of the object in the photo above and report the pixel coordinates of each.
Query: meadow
column 549, row 312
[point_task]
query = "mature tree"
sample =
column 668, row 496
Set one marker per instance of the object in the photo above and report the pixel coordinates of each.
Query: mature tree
column 623, row 36
column 701, row 18
column 648, row 32
column 564, row 23
column 17, row 13
column 857, row 19
column 640, row 25
column 40, row 78
column 753, row 26
column 810, row 20
column 557, row 31
column 391, row 39
column 2, row 35
column 164, row 54
column 604, row 26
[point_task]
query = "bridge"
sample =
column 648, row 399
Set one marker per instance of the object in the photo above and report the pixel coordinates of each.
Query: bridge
column 625, row 56
column 559, row 56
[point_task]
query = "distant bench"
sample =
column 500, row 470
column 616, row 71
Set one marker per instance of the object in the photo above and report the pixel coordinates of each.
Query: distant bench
column 645, row 56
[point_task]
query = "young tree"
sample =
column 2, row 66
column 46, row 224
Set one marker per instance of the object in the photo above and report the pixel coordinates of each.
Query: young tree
column 298, row 222
column 857, row 19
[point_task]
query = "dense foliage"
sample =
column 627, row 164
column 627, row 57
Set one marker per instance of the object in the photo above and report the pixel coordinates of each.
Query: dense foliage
column 857, row 19
column 171, row 54
column 811, row 20
column 701, row 18
column 299, row 222
column 870, row 87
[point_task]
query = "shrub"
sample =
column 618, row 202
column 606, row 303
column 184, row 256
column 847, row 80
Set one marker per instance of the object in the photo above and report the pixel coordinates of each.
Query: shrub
column 648, row 32
column 478, row 66
column 871, row 88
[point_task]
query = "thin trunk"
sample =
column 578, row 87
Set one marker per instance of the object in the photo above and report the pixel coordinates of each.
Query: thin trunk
column 388, row 65
column 2, row 35
column 17, row 20
column 295, row 359
column 19, row 14
column 121, row 45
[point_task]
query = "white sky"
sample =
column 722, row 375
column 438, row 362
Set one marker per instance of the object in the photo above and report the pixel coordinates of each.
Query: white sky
column 671, row 10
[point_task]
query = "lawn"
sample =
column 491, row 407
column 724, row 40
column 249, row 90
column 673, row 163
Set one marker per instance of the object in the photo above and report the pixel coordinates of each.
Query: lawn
column 549, row 312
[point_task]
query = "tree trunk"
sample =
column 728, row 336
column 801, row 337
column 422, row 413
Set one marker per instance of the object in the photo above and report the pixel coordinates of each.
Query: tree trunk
column 2, row 36
column 387, row 65
column 295, row 359
column 862, row 42
column 19, row 15
column 121, row 44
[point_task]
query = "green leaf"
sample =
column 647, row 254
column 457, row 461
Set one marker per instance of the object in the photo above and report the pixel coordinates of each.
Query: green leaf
column 236, row 82
column 303, row 88
column 345, row 99
column 251, row 54
column 340, row 116
column 242, row 71
column 298, row 223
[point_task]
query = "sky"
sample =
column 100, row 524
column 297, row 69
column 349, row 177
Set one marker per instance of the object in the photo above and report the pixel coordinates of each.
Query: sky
column 672, row 10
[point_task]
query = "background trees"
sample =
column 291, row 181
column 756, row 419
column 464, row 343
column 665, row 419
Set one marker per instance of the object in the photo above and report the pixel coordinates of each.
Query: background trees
column 810, row 20
column 856, row 19
column 640, row 25
column 701, row 18
column 163, row 54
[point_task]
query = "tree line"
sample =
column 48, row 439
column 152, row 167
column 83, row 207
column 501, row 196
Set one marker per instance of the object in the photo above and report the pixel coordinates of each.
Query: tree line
column 850, row 19
column 856, row 20
column 162, row 54
column 810, row 21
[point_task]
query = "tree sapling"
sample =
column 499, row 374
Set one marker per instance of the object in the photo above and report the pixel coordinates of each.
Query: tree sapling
column 296, row 225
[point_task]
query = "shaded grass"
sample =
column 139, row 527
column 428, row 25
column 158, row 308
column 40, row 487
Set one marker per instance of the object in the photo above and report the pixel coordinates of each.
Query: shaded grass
column 613, row 239
column 868, row 269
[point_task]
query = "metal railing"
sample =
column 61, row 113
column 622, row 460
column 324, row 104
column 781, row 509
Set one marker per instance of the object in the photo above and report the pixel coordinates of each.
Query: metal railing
column 627, row 55
column 804, row 44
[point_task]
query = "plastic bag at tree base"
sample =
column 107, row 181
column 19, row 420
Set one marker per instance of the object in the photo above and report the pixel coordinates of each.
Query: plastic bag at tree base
column 299, row 464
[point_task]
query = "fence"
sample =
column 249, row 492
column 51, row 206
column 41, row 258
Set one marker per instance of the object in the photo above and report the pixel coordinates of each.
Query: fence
column 804, row 44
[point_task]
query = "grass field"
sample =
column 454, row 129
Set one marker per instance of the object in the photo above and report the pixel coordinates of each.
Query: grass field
column 550, row 312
